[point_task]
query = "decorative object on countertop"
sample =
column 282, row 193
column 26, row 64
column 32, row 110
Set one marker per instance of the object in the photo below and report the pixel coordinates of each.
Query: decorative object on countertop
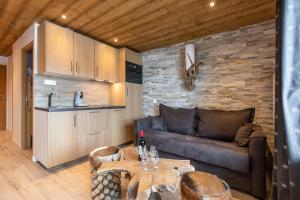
column 202, row 185
column 191, row 66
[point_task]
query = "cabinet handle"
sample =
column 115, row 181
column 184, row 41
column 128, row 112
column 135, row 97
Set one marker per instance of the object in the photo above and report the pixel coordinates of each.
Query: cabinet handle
column 76, row 67
column 127, row 91
column 74, row 120
column 71, row 66
column 97, row 71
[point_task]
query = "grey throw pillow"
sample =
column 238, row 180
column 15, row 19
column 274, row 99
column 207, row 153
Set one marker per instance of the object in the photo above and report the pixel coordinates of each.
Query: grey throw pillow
column 242, row 136
column 157, row 123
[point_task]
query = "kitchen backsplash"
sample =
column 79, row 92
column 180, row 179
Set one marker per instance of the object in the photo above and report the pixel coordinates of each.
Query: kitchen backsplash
column 95, row 93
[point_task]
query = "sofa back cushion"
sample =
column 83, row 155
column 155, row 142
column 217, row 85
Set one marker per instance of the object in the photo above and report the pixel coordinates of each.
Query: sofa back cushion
column 179, row 120
column 221, row 124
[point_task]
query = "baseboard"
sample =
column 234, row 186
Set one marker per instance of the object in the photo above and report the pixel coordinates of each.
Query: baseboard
column 17, row 143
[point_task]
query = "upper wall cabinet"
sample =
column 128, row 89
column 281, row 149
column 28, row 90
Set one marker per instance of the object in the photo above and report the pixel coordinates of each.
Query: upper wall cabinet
column 55, row 49
column 84, row 56
column 106, row 63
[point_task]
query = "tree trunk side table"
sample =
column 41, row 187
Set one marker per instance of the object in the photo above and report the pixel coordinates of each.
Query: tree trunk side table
column 201, row 185
column 105, row 184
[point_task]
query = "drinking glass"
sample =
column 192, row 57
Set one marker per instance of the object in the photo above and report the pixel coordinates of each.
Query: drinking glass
column 144, row 158
column 154, row 156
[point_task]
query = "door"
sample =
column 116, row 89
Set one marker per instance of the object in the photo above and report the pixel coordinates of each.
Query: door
column 28, row 97
column 133, row 108
column 2, row 97
column 84, row 56
column 59, row 49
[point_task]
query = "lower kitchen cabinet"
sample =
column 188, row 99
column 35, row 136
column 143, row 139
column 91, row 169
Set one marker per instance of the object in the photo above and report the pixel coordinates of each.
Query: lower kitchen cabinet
column 61, row 137
column 55, row 137
column 117, row 129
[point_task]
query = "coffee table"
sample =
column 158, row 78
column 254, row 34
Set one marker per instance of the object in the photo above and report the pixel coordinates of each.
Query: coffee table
column 167, row 174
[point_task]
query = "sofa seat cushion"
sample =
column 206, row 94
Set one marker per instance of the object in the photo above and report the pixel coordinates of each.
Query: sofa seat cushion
column 214, row 152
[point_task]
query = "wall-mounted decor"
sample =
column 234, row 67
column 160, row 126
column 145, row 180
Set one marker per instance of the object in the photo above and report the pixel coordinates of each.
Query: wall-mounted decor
column 191, row 67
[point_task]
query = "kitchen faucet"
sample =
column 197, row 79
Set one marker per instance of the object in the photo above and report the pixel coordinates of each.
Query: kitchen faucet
column 50, row 98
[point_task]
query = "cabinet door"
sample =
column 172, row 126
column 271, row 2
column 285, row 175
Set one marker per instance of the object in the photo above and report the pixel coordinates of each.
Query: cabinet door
column 81, row 121
column 84, row 56
column 95, row 140
column 58, row 52
column 117, row 127
column 106, row 62
column 133, row 108
column 113, row 62
column 101, row 59
column 62, row 137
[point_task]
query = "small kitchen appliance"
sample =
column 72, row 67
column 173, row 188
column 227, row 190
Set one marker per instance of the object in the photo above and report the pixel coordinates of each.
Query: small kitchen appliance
column 78, row 102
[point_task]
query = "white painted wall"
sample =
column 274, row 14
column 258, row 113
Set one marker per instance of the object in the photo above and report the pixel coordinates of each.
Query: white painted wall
column 9, row 94
column 30, row 35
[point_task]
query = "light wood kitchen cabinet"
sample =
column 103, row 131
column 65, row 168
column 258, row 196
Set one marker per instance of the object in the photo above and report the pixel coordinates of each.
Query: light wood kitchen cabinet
column 97, row 127
column 62, row 137
column 84, row 56
column 117, row 126
column 106, row 63
column 55, row 49
column 133, row 111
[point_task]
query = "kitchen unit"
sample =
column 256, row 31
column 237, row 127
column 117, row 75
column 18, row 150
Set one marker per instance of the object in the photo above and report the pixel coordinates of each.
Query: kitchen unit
column 65, row 134
column 68, row 133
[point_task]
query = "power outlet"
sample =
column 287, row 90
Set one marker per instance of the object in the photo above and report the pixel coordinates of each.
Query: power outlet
column 50, row 82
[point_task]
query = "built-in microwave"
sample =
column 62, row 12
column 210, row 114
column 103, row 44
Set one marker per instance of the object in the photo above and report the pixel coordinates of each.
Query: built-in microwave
column 134, row 73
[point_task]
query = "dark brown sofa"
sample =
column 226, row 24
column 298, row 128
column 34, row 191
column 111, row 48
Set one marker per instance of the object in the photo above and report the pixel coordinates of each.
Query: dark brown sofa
column 175, row 136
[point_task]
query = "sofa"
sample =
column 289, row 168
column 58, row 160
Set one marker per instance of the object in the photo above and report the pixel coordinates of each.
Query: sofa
column 225, row 143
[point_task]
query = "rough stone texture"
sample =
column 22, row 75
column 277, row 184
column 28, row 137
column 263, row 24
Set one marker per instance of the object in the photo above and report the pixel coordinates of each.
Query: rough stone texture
column 237, row 72
column 95, row 93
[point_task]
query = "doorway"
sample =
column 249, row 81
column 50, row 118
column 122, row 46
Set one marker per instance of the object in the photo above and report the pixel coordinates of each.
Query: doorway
column 2, row 97
column 27, row 93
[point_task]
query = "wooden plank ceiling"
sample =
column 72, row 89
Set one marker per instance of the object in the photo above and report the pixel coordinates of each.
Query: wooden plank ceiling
column 138, row 24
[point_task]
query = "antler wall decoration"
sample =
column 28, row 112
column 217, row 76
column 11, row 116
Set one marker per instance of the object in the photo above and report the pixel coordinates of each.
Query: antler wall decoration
column 191, row 73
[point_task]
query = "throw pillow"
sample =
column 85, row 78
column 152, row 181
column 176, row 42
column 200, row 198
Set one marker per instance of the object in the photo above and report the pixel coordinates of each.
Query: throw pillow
column 242, row 136
column 157, row 123
column 221, row 124
column 179, row 120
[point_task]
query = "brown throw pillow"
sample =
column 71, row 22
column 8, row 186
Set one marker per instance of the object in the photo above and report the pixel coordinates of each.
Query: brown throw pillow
column 179, row 120
column 242, row 136
column 222, row 124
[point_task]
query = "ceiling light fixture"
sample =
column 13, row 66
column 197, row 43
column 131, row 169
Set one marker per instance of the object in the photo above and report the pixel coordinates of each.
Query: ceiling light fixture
column 64, row 16
column 116, row 39
column 212, row 4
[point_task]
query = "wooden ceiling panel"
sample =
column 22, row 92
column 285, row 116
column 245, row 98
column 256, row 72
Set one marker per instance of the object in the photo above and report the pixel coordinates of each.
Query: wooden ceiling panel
column 138, row 24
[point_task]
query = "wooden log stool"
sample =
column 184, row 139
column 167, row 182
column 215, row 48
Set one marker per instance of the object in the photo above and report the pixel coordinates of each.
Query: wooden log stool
column 97, row 156
column 201, row 185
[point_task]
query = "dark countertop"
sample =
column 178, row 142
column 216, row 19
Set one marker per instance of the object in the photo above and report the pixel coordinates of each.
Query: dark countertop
column 70, row 108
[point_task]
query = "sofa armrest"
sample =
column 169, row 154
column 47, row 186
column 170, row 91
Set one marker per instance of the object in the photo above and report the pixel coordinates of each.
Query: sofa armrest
column 140, row 124
column 257, row 153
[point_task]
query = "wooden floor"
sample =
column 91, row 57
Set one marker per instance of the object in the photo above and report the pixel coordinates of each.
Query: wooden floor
column 20, row 178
